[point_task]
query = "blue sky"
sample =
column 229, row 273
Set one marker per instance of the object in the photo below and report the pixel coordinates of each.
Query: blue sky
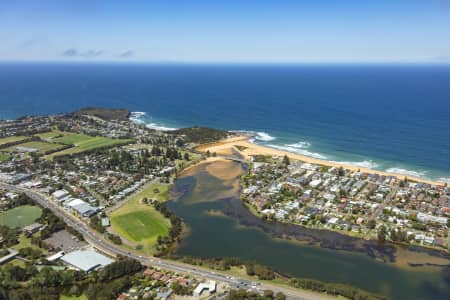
column 226, row 31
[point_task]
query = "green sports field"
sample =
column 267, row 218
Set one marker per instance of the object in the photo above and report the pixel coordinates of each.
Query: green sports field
column 84, row 143
column 139, row 223
column 4, row 157
column 73, row 138
column 41, row 147
column 20, row 216
column 11, row 139
column 50, row 135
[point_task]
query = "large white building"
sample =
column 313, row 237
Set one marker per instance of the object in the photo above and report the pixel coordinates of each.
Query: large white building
column 86, row 260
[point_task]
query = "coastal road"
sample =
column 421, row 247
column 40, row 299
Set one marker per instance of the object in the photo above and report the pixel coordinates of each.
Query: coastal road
column 99, row 242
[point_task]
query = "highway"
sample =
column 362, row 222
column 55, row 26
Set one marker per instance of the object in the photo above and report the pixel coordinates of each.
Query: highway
column 98, row 241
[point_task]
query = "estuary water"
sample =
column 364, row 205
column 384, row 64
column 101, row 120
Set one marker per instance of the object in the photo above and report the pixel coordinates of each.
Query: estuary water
column 207, row 199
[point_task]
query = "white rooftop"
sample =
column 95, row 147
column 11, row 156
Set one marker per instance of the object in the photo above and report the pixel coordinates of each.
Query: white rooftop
column 86, row 260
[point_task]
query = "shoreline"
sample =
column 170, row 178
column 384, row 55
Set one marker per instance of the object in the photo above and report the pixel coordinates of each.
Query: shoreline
column 252, row 149
column 248, row 136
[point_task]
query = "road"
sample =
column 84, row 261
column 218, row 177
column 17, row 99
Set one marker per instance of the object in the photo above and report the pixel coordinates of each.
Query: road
column 99, row 242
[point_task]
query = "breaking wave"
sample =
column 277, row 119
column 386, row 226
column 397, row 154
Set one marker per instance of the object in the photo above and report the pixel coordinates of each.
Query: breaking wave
column 300, row 145
column 369, row 164
column 297, row 150
column 256, row 135
column 443, row 179
column 263, row 136
column 406, row 172
column 139, row 117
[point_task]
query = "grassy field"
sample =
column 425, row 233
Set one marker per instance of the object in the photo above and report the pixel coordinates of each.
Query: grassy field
column 11, row 139
column 50, row 135
column 139, row 223
column 156, row 191
column 25, row 242
column 73, row 138
column 20, row 216
column 84, row 143
column 42, row 147
column 4, row 157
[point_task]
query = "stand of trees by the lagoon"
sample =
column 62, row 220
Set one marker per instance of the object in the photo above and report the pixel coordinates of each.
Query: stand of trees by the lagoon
column 266, row 273
column 249, row 295
column 337, row 289
column 176, row 228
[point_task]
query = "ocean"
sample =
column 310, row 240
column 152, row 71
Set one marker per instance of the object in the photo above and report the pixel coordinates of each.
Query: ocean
column 387, row 117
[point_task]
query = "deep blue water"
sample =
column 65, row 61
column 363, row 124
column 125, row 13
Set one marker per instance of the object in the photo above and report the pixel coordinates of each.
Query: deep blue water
column 389, row 117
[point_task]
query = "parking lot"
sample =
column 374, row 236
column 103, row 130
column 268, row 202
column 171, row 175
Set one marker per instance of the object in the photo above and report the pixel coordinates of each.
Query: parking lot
column 65, row 241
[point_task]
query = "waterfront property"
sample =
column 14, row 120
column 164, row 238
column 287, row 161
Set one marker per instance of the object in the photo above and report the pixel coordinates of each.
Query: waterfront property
column 309, row 253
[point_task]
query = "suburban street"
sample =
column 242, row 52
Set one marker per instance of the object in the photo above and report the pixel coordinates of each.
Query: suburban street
column 99, row 242
column 386, row 201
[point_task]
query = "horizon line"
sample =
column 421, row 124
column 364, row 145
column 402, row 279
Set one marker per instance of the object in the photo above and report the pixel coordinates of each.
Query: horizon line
column 238, row 62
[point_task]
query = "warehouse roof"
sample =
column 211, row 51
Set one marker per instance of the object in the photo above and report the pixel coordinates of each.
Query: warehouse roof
column 86, row 260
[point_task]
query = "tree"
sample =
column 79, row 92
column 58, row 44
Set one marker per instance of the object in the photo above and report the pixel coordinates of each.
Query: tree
column 371, row 224
column 286, row 160
column 186, row 156
column 96, row 224
column 280, row 296
column 268, row 294
column 382, row 232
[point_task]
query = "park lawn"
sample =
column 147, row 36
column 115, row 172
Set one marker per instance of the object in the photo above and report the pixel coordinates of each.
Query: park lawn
column 149, row 192
column 4, row 157
column 17, row 262
column 25, row 242
column 85, row 143
column 41, row 147
column 143, row 225
column 20, row 216
column 140, row 223
column 73, row 138
column 11, row 139
column 51, row 134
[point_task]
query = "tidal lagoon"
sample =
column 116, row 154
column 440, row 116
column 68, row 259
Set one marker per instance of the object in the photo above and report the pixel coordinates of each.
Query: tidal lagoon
column 206, row 197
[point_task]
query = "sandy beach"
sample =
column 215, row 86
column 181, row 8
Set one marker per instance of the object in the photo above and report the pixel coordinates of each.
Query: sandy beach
column 248, row 149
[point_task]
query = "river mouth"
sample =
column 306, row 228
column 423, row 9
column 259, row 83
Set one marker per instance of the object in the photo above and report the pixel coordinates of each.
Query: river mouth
column 206, row 197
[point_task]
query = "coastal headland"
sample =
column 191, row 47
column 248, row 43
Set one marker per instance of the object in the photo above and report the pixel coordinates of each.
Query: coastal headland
column 247, row 149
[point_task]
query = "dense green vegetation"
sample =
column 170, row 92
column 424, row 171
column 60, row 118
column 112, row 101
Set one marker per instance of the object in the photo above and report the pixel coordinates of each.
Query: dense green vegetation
column 200, row 135
column 28, row 283
column 96, row 224
column 250, row 295
column 164, row 242
column 337, row 289
column 4, row 141
column 105, row 114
